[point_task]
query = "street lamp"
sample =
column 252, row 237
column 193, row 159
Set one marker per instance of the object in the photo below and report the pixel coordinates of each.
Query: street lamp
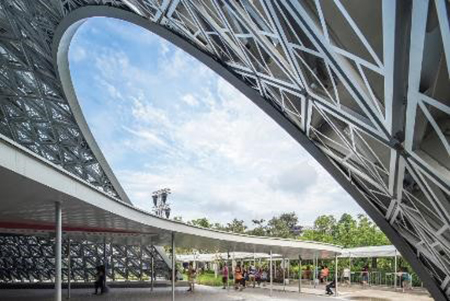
column 160, row 206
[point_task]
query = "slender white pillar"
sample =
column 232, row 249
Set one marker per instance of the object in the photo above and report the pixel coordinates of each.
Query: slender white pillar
column 284, row 274
column 173, row 266
column 288, row 268
column 395, row 270
column 69, row 266
column 271, row 272
column 336, row 275
column 58, row 255
column 350, row 267
column 299, row 274
column 152, row 273
column 229, row 270
column 315, row 270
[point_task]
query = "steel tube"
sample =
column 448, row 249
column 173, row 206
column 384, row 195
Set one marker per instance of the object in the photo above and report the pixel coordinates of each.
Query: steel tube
column 58, row 255
column 173, row 266
column 271, row 272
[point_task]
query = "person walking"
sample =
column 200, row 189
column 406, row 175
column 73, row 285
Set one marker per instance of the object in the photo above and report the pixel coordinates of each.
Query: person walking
column 224, row 276
column 238, row 277
column 192, row 274
column 365, row 275
column 406, row 280
column 346, row 276
column 328, row 289
column 324, row 274
column 100, row 279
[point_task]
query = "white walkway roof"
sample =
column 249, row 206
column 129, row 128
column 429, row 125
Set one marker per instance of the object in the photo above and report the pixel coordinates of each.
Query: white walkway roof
column 368, row 252
column 30, row 186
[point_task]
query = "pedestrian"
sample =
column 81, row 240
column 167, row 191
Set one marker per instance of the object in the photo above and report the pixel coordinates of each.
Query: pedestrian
column 192, row 274
column 307, row 273
column 406, row 279
column 252, row 275
column 346, row 276
column 225, row 275
column 330, row 285
column 99, row 279
column 324, row 274
column 365, row 275
column 238, row 277
column 258, row 276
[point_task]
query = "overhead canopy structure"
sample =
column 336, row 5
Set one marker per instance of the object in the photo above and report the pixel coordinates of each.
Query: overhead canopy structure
column 370, row 252
column 211, row 257
column 91, row 213
column 363, row 86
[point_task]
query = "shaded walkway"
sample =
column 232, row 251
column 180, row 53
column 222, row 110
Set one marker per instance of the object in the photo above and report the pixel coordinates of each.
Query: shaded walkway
column 203, row 293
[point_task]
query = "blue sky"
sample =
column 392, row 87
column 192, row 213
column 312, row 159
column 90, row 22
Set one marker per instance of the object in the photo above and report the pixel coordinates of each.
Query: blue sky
column 163, row 119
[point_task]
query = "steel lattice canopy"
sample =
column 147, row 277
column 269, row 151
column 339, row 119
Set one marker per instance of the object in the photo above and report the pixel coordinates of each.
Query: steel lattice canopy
column 362, row 85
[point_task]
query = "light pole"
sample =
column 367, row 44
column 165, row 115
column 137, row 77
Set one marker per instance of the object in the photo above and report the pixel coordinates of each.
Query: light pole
column 160, row 206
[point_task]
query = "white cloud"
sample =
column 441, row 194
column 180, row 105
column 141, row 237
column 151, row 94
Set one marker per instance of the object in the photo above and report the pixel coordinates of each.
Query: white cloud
column 78, row 53
column 178, row 125
column 190, row 99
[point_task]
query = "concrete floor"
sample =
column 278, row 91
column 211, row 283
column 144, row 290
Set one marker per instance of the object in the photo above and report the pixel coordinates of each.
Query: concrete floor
column 202, row 293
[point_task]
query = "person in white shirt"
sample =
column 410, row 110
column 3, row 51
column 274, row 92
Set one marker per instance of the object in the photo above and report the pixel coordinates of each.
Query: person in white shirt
column 346, row 275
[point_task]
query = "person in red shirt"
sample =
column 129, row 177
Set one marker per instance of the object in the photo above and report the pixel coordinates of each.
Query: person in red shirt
column 224, row 275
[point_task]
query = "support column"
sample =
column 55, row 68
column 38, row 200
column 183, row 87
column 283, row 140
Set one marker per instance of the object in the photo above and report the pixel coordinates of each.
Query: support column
column 58, row 255
column 315, row 270
column 173, row 266
column 271, row 272
column 336, row 275
column 105, row 261
column 350, row 267
column 284, row 274
column 229, row 270
column 152, row 272
column 69, row 268
column 300, row 274
column 288, row 268
column 395, row 270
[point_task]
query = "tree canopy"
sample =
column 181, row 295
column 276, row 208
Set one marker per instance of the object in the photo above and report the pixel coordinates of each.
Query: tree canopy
column 346, row 231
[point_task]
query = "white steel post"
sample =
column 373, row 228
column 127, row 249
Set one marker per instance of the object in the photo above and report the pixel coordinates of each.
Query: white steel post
column 315, row 270
column 271, row 272
column 336, row 275
column 173, row 266
column 152, row 273
column 395, row 270
column 288, row 269
column 284, row 274
column 58, row 244
column 299, row 274
column 69, row 265
column 229, row 270
column 350, row 267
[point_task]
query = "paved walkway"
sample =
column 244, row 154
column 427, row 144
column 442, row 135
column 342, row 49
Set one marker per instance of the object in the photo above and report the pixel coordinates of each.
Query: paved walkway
column 204, row 293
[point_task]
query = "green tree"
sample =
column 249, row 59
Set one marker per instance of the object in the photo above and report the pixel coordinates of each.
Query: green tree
column 324, row 230
column 236, row 226
column 346, row 231
column 283, row 225
column 201, row 222
column 259, row 227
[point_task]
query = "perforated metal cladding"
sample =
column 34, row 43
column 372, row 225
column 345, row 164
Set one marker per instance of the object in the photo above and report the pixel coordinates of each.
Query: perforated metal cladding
column 366, row 81
column 32, row 258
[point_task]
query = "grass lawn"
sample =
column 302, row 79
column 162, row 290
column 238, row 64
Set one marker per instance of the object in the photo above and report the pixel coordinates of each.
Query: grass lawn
column 208, row 278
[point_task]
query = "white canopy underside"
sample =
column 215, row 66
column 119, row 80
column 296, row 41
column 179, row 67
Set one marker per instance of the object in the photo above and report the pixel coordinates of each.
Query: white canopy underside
column 370, row 252
column 93, row 215
column 362, row 252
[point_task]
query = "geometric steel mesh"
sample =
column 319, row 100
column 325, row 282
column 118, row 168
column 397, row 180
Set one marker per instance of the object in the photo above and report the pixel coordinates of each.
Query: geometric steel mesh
column 32, row 259
column 367, row 82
